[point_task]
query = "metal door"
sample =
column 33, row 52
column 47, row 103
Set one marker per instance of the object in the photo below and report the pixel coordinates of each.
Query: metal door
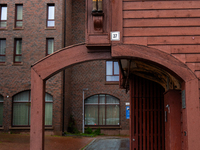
column 147, row 115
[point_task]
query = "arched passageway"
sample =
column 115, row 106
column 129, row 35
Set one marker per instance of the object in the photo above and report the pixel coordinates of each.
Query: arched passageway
column 58, row 61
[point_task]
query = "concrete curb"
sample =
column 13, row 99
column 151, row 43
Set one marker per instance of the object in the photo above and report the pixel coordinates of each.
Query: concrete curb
column 89, row 144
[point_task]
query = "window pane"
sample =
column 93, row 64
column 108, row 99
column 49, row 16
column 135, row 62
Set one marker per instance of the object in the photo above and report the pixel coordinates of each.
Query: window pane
column 50, row 46
column 51, row 23
column 2, row 47
column 3, row 24
column 2, row 58
column 4, row 13
column 109, row 67
column 18, row 46
column 102, row 115
column 111, row 100
column 116, row 68
column 91, row 115
column 51, row 12
column 19, row 23
column 48, row 98
column 19, row 12
column 102, row 99
column 112, row 78
column 92, row 100
column 18, row 58
column 22, row 97
column 20, row 113
column 48, row 113
column 1, row 110
column 1, row 98
column 112, row 115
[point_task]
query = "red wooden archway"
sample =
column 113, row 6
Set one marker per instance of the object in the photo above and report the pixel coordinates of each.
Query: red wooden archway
column 52, row 64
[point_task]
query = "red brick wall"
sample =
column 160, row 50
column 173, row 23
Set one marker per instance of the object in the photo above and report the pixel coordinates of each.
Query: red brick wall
column 16, row 78
column 91, row 75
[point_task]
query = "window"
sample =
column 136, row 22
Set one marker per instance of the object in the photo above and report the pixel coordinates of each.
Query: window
column 50, row 15
column 102, row 110
column 1, row 110
column 48, row 109
column 18, row 51
column 3, row 16
column 112, row 71
column 2, row 50
column 22, row 109
column 19, row 16
column 50, row 46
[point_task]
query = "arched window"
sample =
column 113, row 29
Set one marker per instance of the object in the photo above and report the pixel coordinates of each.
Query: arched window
column 1, row 110
column 22, row 109
column 102, row 110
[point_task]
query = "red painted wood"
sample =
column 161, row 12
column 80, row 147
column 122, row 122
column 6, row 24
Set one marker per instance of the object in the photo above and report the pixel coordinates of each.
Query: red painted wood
column 148, row 124
column 136, row 116
column 37, row 111
column 144, row 115
column 173, row 124
column 159, row 119
column 140, row 114
column 148, row 129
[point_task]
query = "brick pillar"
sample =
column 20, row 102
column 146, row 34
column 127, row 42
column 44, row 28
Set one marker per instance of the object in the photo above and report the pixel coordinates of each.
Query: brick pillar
column 37, row 112
column 172, row 106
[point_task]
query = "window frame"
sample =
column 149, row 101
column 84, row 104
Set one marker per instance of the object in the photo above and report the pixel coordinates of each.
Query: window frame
column 3, row 5
column 113, row 73
column 4, row 55
column 48, row 5
column 103, row 104
column 47, row 45
column 52, row 110
column 16, row 12
column 1, row 102
column 29, row 109
column 15, row 48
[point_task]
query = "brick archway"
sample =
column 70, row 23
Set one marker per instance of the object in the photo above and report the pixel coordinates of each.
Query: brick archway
column 52, row 64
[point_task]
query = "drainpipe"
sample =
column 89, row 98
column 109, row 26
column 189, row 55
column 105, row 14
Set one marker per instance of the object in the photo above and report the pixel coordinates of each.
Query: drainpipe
column 83, row 130
column 64, row 44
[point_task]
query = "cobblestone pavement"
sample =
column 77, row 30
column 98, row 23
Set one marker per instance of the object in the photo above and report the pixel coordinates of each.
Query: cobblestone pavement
column 109, row 144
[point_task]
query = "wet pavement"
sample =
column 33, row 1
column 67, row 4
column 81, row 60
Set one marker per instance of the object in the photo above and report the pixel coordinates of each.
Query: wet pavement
column 109, row 144
column 22, row 142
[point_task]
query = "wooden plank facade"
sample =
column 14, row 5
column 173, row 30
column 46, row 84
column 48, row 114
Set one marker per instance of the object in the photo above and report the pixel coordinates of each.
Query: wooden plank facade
column 170, row 26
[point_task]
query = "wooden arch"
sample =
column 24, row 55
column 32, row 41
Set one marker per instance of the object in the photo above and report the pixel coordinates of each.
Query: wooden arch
column 52, row 64
column 160, row 58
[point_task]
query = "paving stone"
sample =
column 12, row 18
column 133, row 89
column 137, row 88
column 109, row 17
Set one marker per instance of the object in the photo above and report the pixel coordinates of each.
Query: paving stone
column 109, row 144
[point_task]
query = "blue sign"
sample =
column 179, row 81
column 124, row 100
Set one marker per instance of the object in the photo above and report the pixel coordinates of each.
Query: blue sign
column 127, row 112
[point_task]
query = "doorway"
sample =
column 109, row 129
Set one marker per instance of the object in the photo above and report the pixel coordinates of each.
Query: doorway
column 147, row 115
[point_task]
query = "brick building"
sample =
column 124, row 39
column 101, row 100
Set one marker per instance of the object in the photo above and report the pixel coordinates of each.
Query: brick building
column 156, row 45
column 37, row 26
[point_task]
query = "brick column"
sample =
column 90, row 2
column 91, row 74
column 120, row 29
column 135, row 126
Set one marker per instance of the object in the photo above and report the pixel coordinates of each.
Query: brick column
column 37, row 112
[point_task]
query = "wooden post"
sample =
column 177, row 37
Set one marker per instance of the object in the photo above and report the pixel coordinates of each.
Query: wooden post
column 37, row 112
